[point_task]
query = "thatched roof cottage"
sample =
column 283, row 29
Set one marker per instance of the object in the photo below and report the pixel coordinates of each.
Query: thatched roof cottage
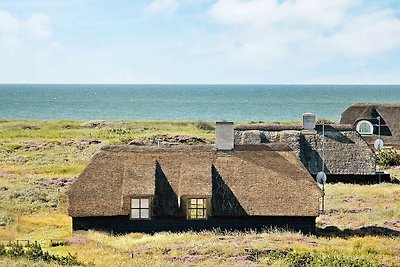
column 366, row 118
column 347, row 157
column 150, row 189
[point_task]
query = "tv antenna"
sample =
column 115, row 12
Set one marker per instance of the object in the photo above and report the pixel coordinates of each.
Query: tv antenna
column 321, row 176
column 378, row 144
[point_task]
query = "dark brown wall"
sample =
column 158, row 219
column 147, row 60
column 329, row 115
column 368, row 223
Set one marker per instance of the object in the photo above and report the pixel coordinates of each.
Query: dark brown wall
column 358, row 179
column 122, row 224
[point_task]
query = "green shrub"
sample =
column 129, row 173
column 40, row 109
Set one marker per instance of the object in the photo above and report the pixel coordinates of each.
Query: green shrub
column 11, row 147
column 68, row 260
column 5, row 219
column 205, row 126
column 34, row 252
column 389, row 158
column 2, row 249
column 16, row 250
column 325, row 121
column 299, row 259
column 57, row 243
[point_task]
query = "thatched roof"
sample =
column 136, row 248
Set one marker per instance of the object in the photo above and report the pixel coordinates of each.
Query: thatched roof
column 267, row 180
column 390, row 122
column 268, row 127
column 346, row 152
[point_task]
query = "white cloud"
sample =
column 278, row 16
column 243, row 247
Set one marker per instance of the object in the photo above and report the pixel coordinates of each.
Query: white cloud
column 38, row 25
column 162, row 6
column 25, row 45
column 303, row 33
column 16, row 33
column 368, row 34
column 8, row 23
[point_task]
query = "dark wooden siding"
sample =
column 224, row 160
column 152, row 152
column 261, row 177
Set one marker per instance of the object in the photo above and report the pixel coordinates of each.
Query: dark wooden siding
column 122, row 224
column 358, row 179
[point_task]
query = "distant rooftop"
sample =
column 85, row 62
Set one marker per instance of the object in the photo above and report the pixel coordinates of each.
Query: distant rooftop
column 195, row 148
column 292, row 127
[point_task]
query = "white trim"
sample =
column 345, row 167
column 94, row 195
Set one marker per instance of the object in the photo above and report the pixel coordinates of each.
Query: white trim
column 140, row 207
column 371, row 127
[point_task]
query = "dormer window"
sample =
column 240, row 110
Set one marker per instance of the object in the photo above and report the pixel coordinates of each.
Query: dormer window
column 197, row 208
column 140, row 208
column 365, row 127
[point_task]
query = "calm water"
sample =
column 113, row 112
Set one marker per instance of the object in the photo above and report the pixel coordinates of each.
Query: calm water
column 186, row 102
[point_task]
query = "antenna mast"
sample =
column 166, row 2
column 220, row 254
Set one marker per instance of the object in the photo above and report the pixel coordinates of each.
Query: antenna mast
column 321, row 176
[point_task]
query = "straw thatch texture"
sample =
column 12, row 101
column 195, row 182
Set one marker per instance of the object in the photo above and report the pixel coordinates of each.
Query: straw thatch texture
column 390, row 120
column 267, row 181
column 346, row 153
column 268, row 127
column 101, row 188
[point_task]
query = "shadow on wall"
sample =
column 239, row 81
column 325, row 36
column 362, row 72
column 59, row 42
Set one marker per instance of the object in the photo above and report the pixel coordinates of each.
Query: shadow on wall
column 311, row 158
column 166, row 200
column 333, row 231
column 334, row 134
column 223, row 200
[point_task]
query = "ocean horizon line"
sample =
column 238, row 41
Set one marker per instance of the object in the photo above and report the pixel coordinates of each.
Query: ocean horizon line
column 233, row 84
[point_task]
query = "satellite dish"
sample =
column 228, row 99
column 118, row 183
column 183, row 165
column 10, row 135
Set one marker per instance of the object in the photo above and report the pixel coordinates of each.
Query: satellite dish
column 378, row 144
column 321, row 178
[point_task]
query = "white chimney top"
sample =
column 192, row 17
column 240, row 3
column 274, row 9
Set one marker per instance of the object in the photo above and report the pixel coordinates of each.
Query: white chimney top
column 224, row 139
column 309, row 120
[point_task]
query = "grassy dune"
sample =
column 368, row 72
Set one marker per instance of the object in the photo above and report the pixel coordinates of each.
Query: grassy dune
column 38, row 159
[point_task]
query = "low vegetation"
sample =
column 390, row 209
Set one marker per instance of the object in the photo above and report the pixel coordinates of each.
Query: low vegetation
column 34, row 252
column 40, row 159
column 389, row 158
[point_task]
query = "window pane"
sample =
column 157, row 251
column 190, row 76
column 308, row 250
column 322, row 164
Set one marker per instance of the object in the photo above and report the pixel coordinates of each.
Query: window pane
column 192, row 214
column 144, row 213
column 135, row 203
column 135, row 214
column 197, row 208
column 144, row 203
column 365, row 127
column 200, row 214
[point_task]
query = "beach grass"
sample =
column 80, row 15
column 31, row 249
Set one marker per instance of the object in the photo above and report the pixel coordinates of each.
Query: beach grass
column 360, row 227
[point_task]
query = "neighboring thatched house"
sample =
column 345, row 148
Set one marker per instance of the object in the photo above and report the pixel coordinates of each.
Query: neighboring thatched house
column 150, row 189
column 366, row 117
column 348, row 158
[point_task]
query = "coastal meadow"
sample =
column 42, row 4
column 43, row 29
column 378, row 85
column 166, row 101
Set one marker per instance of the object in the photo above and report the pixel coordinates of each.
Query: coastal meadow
column 40, row 159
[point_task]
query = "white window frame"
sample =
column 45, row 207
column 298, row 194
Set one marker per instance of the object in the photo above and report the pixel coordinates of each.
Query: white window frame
column 138, row 204
column 370, row 126
column 197, row 208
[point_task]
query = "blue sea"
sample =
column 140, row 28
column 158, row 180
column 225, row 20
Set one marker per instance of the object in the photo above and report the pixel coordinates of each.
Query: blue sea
column 186, row 102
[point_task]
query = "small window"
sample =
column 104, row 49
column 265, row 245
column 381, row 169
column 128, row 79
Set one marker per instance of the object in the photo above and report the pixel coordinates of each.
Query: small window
column 365, row 127
column 140, row 208
column 197, row 208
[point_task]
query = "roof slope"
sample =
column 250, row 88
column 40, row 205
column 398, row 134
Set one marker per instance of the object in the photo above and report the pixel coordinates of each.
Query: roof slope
column 389, row 113
column 264, row 182
column 346, row 152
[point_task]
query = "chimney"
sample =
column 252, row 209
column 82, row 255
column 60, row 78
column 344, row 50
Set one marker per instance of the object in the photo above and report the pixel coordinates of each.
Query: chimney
column 309, row 121
column 224, row 139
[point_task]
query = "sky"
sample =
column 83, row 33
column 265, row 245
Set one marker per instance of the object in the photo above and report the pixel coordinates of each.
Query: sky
column 200, row 41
